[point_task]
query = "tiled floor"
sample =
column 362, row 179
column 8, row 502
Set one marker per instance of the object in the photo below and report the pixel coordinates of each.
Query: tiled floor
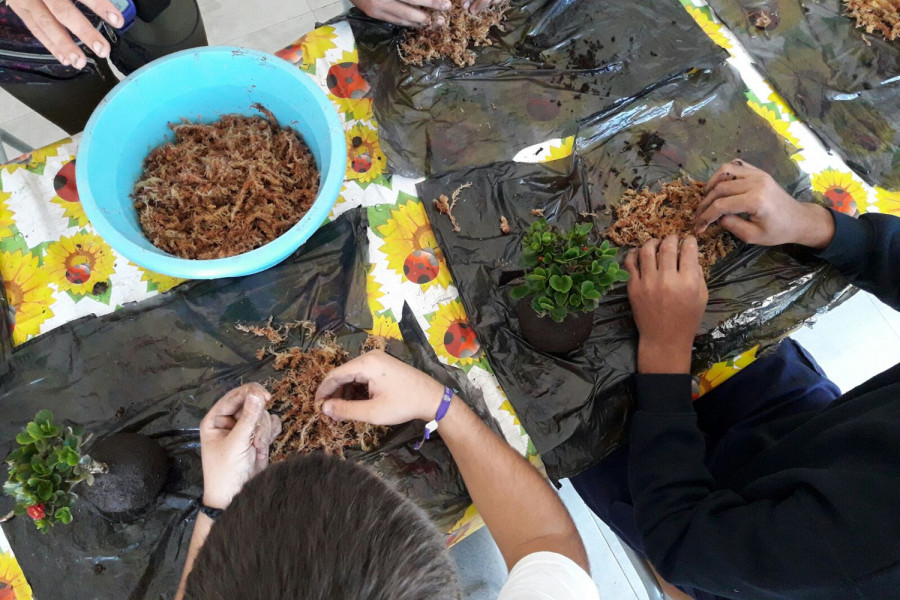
column 852, row 343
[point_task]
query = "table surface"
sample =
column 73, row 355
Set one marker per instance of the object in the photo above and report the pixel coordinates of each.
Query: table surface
column 56, row 268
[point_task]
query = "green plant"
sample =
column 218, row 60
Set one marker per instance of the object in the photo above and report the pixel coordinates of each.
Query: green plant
column 45, row 467
column 566, row 271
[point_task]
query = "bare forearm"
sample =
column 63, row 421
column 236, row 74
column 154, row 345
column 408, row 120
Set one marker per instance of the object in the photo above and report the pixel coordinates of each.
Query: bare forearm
column 201, row 530
column 519, row 506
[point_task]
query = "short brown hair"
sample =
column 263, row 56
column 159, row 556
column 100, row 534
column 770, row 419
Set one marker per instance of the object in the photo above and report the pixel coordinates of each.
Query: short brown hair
column 320, row 528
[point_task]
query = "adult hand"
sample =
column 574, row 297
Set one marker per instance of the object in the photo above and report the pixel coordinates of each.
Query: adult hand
column 407, row 13
column 234, row 442
column 398, row 393
column 668, row 297
column 772, row 216
column 50, row 21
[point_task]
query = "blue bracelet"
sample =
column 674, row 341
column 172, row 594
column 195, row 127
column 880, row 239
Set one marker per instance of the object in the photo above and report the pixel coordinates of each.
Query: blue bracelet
column 432, row 425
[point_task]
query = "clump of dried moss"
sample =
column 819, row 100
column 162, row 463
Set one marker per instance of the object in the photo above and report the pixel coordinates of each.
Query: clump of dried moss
column 647, row 214
column 305, row 428
column 876, row 16
column 460, row 31
column 225, row 188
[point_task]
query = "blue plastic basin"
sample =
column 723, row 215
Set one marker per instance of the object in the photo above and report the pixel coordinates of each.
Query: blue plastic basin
column 200, row 85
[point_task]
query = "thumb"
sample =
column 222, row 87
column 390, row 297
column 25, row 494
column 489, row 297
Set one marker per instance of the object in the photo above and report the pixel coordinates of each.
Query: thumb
column 246, row 424
column 353, row 410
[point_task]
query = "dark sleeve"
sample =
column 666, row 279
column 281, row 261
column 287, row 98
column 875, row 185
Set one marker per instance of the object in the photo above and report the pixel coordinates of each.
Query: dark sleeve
column 867, row 252
column 697, row 535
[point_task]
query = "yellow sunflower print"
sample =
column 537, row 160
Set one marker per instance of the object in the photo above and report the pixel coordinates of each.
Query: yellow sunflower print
column 77, row 263
column 365, row 160
column 12, row 580
column 564, row 149
column 386, row 327
column 710, row 27
column 163, row 283
column 451, row 336
column 411, row 247
column 888, row 202
column 6, row 216
column 374, row 293
column 35, row 160
column 720, row 372
column 309, row 48
column 841, row 191
column 783, row 128
column 27, row 292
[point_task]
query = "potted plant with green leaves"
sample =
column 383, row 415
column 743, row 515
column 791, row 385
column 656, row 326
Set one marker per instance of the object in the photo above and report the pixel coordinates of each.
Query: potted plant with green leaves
column 124, row 471
column 567, row 272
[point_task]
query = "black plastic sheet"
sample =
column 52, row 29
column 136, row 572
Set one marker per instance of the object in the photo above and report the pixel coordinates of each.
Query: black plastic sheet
column 575, row 407
column 156, row 367
column 846, row 88
column 558, row 62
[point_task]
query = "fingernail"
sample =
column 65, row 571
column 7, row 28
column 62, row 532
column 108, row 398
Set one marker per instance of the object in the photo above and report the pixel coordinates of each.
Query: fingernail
column 439, row 21
column 74, row 59
column 255, row 400
column 328, row 409
column 99, row 49
column 63, row 60
column 113, row 19
column 467, row 4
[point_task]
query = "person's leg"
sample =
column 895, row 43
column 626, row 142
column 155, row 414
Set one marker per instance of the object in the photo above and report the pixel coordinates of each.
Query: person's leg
column 63, row 95
column 171, row 26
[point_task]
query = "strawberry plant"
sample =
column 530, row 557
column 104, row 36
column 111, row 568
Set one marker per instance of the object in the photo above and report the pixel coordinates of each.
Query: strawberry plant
column 45, row 467
column 566, row 272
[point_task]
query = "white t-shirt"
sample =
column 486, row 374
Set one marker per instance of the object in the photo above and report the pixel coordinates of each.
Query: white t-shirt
column 548, row 576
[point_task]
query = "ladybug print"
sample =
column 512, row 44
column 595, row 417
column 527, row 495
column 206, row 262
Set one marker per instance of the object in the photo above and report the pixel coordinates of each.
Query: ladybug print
column 361, row 163
column 64, row 183
column 543, row 109
column 345, row 81
column 841, row 200
column 459, row 340
column 421, row 266
column 78, row 274
column 293, row 53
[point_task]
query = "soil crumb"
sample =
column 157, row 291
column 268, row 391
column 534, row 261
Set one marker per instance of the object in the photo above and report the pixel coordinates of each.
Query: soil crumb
column 460, row 31
column 445, row 205
column 537, row 212
column 225, row 188
column 876, row 16
column 504, row 225
column 647, row 214
column 305, row 428
column 649, row 144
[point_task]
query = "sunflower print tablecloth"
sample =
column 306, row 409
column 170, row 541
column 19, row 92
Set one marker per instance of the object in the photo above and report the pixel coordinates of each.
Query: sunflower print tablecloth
column 56, row 268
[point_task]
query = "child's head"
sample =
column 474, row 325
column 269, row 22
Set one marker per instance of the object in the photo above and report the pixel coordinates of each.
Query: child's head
column 320, row 528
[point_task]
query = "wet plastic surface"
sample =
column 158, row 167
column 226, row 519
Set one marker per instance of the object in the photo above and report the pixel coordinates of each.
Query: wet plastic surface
column 156, row 367
column 575, row 407
column 846, row 88
column 557, row 63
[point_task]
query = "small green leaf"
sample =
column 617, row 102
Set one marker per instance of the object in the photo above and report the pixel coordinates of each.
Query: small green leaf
column 583, row 228
column 45, row 490
column 534, row 277
column 536, row 305
column 587, row 286
column 622, row 276
column 64, row 515
column 558, row 314
column 34, row 430
column 560, row 298
column 540, row 271
column 545, row 303
column 24, row 438
column 519, row 292
column 561, row 283
column 606, row 279
column 44, row 417
column 591, row 295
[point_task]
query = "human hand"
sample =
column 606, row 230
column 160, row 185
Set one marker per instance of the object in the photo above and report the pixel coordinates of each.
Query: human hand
column 407, row 13
column 234, row 442
column 773, row 216
column 668, row 297
column 50, row 21
column 398, row 393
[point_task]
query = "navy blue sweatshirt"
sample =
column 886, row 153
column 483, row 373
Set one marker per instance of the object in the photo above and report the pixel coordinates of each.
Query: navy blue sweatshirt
column 816, row 514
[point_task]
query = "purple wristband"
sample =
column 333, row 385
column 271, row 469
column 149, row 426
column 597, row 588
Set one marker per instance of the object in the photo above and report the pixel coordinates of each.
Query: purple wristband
column 432, row 425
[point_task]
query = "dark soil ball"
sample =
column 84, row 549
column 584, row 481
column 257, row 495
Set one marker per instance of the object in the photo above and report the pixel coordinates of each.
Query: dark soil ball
column 137, row 472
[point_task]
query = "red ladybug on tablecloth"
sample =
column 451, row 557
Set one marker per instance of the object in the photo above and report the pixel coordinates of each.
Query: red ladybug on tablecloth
column 345, row 81
column 421, row 266
column 459, row 340
column 64, row 183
